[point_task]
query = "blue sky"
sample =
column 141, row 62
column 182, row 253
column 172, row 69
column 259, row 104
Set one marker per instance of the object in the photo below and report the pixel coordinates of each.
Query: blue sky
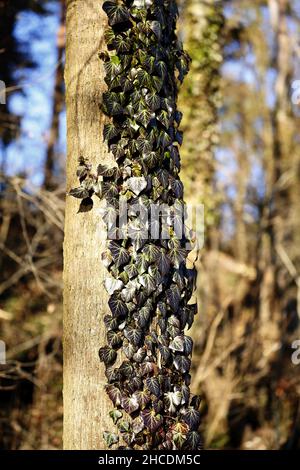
column 33, row 101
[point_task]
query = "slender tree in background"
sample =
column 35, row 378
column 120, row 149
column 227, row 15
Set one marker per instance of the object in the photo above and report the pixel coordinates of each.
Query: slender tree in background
column 57, row 103
column 203, row 31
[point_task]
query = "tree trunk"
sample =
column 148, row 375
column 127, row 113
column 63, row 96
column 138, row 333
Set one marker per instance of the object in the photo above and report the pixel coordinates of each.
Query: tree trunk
column 57, row 106
column 86, row 404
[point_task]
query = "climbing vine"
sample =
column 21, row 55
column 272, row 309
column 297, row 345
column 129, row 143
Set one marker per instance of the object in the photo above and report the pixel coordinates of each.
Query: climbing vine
column 147, row 355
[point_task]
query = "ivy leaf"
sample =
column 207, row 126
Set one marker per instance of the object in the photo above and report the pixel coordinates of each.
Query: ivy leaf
column 109, row 190
column 137, row 425
column 142, row 263
column 112, row 67
column 153, row 101
column 110, row 131
column 110, row 322
column 143, row 116
column 129, row 350
column 126, row 369
column 112, row 285
column 161, row 68
column 119, row 149
column 124, row 426
column 117, row 306
column 150, row 159
column 173, row 400
column 131, row 270
column 182, row 364
column 152, row 252
column 193, row 441
column 177, row 344
column 143, row 144
column 114, row 394
column 128, row 293
column 147, row 368
column 114, row 339
column 110, row 438
column 148, row 283
column 140, row 355
column 143, row 398
column 188, row 345
column 163, row 263
column 110, row 104
column 151, row 420
column 115, row 415
column 122, row 43
column 164, row 139
column 195, row 401
column 136, row 184
column 143, row 79
column 80, row 192
column 177, row 188
column 111, row 374
column 156, row 28
column 164, row 119
column 107, row 355
column 179, row 439
column 177, row 256
column 192, row 418
column 134, row 335
column 119, row 254
column 157, row 83
column 173, row 296
column 165, row 353
column 86, row 205
column 153, row 386
column 126, row 83
column 116, row 12
column 143, row 317
column 130, row 405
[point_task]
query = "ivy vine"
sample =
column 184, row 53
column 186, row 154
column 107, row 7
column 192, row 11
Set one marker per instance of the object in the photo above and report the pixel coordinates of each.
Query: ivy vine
column 147, row 355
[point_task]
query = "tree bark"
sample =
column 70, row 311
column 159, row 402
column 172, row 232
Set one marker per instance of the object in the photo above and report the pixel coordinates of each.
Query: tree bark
column 86, row 404
column 57, row 105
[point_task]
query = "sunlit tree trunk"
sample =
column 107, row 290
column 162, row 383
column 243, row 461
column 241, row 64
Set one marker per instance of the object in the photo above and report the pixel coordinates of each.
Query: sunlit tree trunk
column 86, row 404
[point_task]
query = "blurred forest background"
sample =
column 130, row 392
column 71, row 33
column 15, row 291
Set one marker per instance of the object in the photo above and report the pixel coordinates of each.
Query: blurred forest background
column 240, row 158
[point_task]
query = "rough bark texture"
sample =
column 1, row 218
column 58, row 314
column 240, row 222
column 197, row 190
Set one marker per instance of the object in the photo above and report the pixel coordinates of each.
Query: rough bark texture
column 86, row 404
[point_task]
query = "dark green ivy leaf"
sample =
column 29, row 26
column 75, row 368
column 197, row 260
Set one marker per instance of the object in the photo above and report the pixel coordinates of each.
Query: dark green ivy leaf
column 177, row 344
column 114, row 338
column 173, row 296
column 107, row 355
column 193, row 441
column 110, row 131
column 144, row 117
column 192, row 418
column 134, row 335
column 163, row 262
column 182, row 364
column 117, row 306
column 119, row 254
column 153, row 386
column 153, row 101
column 80, row 192
column 116, row 12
